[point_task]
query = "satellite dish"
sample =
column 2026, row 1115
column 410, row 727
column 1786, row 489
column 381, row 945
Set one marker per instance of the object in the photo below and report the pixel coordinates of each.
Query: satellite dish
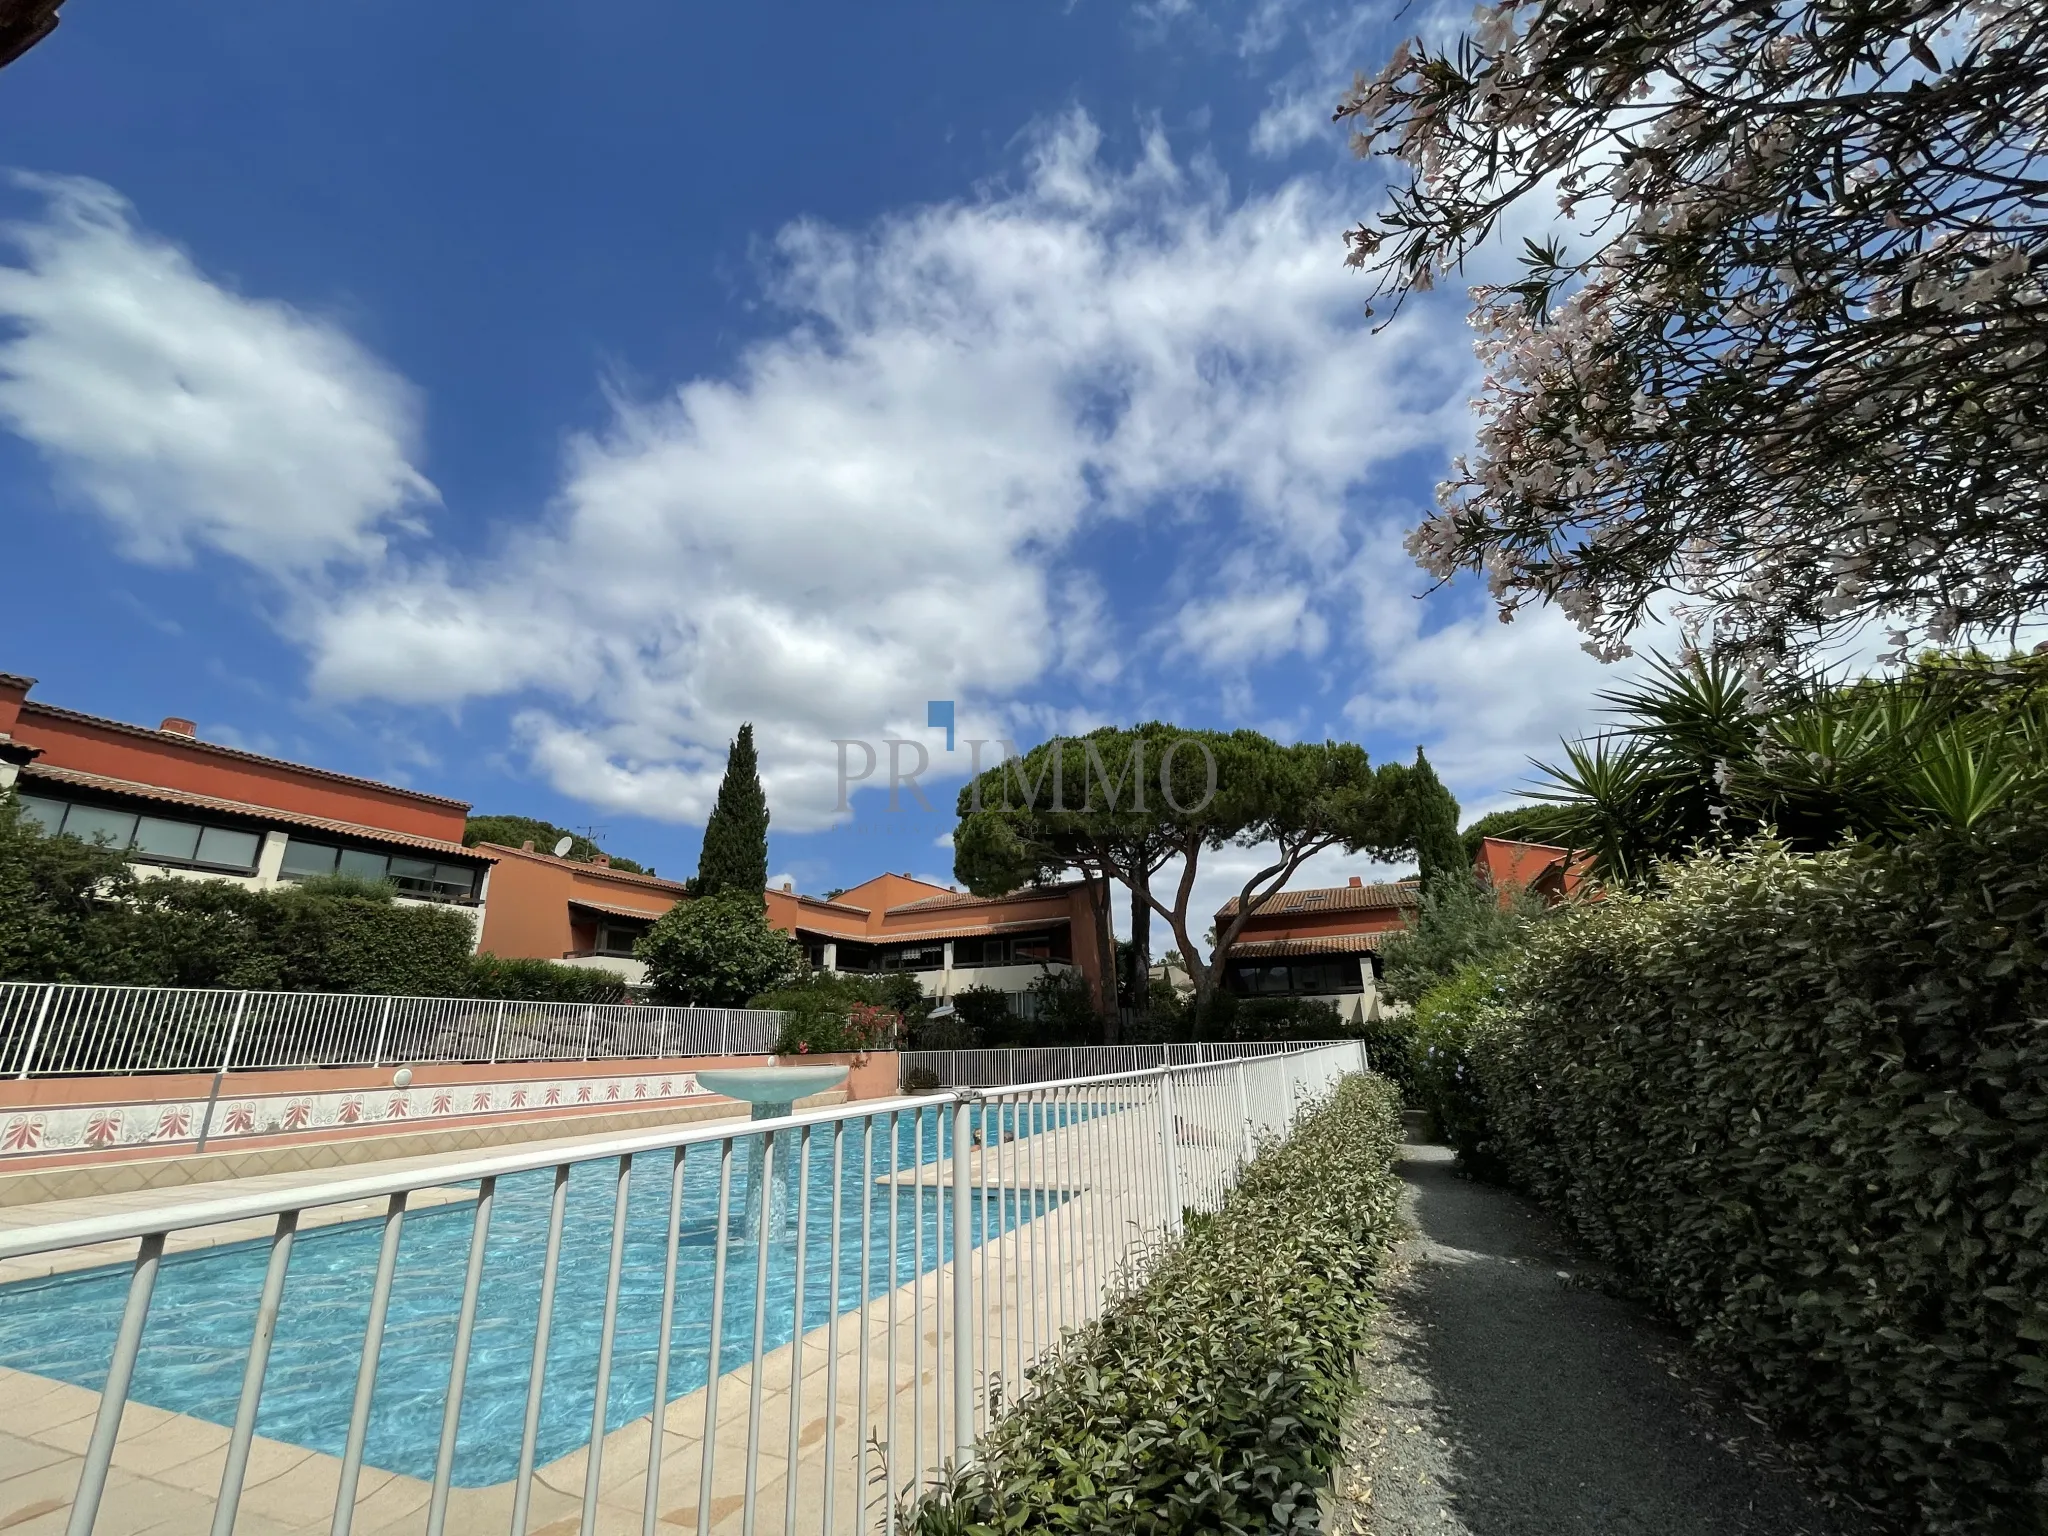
column 562, row 848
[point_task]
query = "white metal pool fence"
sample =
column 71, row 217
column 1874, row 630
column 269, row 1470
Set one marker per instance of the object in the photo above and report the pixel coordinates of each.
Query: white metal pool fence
column 55, row 1029
column 1005, row 1068
column 797, row 1327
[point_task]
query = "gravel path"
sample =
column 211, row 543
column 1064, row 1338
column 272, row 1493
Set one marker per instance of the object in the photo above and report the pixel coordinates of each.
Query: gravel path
column 1507, row 1395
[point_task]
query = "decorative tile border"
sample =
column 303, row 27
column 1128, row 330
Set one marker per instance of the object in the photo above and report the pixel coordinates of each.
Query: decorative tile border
column 103, row 1127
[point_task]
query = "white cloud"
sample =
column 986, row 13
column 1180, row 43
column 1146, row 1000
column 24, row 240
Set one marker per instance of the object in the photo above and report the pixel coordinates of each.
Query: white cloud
column 878, row 505
column 1242, row 628
column 188, row 415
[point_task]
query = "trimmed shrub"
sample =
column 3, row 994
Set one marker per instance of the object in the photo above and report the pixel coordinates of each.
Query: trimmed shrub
column 543, row 981
column 717, row 951
column 1446, row 1083
column 1801, row 1102
column 1211, row 1397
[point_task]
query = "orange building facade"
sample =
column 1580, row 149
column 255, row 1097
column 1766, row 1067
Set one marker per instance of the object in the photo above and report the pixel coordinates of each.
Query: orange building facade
column 186, row 808
column 589, row 914
column 569, row 910
column 1320, row 945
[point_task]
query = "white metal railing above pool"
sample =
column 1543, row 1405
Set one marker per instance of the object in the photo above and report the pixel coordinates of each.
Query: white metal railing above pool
column 51, row 1029
column 1008, row 1067
column 794, row 1326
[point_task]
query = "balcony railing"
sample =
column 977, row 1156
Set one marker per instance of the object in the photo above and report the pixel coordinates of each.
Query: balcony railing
column 792, row 1325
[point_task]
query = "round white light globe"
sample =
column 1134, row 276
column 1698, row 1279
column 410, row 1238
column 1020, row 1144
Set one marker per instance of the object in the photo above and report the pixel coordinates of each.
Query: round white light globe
column 402, row 1077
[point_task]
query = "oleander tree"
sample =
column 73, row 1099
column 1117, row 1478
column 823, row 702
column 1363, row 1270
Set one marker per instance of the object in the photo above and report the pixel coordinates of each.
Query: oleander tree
column 1780, row 361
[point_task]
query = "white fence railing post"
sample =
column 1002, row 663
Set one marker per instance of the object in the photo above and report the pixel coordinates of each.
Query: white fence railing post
column 1169, row 1148
column 35, row 1034
column 227, row 1055
column 963, row 1283
column 383, row 1033
column 1244, row 1109
column 498, row 1032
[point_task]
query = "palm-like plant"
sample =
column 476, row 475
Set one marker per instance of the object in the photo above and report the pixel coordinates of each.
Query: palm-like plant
column 1698, row 755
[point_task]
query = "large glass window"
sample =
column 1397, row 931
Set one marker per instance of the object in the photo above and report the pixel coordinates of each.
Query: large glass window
column 303, row 860
column 1298, row 977
column 363, row 864
column 151, row 839
column 98, row 824
column 228, row 847
column 166, row 839
column 42, row 811
column 412, row 876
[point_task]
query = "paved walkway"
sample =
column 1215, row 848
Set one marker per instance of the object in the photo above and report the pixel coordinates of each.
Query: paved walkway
column 1508, row 1396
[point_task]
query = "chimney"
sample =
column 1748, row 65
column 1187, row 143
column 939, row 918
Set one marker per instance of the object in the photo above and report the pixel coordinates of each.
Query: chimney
column 1356, row 883
column 601, row 860
column 789, row 887
column 173, row 726
column 527, row 846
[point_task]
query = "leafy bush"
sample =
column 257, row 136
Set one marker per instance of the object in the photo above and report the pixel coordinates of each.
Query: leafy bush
column 70, row 911
column 1211, row 1397
column 1802, row 1103
column 1446, row 1084
column 543, row 981
column 1390, row 1048
column 986, row 1011
column 1459, row 922
column 920, row 1080
column 716, row 952
column 1232, row 1018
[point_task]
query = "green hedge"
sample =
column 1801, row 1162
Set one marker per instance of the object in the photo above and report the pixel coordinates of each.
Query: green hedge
column 1802, row 1104
column 1211, row 1398
column 71, row 911
column 543, row 981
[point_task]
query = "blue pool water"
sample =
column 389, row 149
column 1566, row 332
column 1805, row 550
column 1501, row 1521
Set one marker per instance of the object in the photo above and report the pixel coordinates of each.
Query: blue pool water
column 196, row 1342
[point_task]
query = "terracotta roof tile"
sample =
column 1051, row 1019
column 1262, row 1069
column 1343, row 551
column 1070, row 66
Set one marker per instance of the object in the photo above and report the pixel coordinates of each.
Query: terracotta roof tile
column 611, row 911
column 967, row 899
column 598, row 871
column 1343, row 944
column 1338, row 898
column 32, row 707
column 78, row 779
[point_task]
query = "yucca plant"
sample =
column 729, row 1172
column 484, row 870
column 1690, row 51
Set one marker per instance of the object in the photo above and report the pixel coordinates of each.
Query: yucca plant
column 1699, row 755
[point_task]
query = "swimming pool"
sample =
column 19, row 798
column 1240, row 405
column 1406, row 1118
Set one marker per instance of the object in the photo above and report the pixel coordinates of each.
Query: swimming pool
column 196, row 1342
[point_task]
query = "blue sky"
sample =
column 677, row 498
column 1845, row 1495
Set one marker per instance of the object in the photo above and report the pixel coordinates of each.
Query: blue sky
column 510, row 401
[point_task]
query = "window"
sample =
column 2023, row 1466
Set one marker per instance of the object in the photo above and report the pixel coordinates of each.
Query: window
column 165, row 839
column 41, row 811
column 97, row 824
column 361, row 864
column 1299, row 977
column 304, row 860
column 229, row 848
column 410, row 875
column 150, row 839
column 618, row 938
column 915, row 957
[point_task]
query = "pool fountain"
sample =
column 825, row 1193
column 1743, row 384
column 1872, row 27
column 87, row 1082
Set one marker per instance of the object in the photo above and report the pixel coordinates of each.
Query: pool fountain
column 773, row 1092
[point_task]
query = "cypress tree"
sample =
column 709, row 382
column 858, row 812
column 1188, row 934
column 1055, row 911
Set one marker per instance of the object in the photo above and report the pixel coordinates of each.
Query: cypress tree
column 1433, row 824
column 735, row 853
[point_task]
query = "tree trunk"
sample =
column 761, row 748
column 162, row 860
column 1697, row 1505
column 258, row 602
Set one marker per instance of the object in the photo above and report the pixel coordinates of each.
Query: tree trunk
column 1141, row 940
column 1112, row 1020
